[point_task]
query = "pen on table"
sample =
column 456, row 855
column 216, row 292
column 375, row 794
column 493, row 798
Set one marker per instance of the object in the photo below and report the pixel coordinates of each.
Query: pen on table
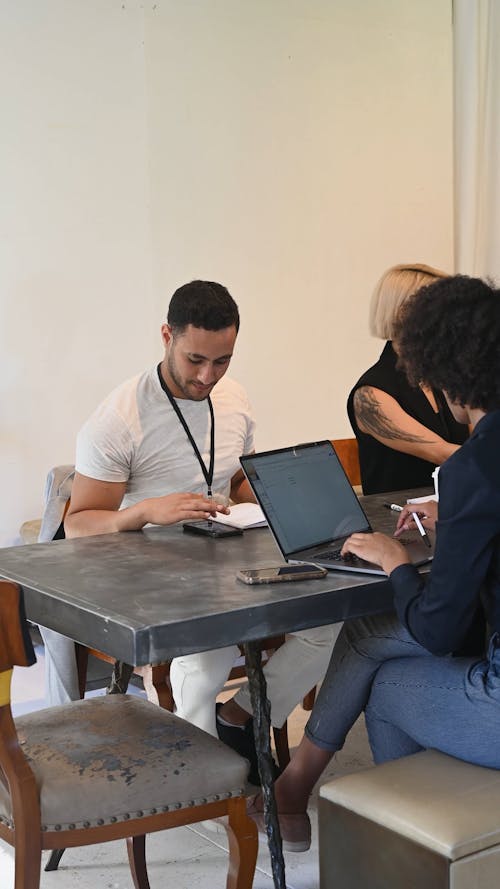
column 421, row 529
column 394, row 507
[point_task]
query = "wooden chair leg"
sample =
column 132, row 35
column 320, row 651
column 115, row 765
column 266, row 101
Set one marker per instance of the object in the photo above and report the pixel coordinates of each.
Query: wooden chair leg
column 27, row 873
column 82, row 661
column 28, row 852
column 281, row 745
column 157, row 686
column 243, row 845
column 308, row 699
column 136, row 849
column 28, row 860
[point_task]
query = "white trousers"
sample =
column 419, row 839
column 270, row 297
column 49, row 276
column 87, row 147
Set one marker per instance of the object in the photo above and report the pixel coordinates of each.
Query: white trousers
column 197, row 679
column 61, row 676
column 295, row 668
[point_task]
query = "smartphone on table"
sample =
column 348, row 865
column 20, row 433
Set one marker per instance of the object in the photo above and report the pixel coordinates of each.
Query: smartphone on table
column 280, row 573
column 211, row 529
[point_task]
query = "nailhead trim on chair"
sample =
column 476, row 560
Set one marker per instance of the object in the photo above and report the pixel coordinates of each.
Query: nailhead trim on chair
column 189, row 804
column 95, row 807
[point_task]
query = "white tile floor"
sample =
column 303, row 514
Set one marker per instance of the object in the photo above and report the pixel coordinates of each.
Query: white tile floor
column 185, row 857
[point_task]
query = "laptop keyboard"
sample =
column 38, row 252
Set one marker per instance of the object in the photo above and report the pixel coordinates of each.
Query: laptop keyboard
column 333, row 555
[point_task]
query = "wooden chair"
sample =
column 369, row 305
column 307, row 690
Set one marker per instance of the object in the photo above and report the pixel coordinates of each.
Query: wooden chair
column 348, row 454
column 108, row 768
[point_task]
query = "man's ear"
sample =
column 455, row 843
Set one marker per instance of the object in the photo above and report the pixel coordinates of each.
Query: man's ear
column 166, row 334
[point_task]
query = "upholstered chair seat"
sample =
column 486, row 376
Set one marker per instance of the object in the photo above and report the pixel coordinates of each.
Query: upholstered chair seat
column 87, row 758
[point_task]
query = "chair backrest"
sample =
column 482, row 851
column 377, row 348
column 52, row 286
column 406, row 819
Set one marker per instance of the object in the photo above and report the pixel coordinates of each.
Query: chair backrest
column 16, row 648
column 57, row 494
column 348, row 454
column 19, row 790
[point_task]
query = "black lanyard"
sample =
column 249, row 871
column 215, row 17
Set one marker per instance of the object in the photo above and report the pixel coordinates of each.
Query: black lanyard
column 207, row 474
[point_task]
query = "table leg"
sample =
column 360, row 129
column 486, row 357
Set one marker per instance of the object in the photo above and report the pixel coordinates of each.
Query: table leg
column 261, row 723
column 120, row 678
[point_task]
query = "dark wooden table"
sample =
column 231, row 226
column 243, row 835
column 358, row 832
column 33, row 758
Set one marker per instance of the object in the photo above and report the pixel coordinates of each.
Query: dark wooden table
column 144, row 597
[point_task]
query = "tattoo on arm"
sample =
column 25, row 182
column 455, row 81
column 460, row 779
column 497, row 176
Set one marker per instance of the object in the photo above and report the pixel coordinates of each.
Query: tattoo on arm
column 370, row 416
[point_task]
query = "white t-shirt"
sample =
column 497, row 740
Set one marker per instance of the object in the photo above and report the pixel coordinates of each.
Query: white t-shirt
column 136, row 436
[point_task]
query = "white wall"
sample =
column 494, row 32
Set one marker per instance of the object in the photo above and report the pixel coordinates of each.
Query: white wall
column 291, row 149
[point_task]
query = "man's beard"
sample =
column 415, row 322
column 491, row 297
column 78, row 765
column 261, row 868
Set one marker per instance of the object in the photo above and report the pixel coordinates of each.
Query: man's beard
column 172, row 369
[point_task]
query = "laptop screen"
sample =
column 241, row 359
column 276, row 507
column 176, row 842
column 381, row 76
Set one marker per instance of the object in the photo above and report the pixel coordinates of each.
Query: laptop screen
column 305, row 495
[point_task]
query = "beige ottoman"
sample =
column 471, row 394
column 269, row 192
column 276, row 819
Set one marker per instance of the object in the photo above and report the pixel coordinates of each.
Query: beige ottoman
column 426, row 821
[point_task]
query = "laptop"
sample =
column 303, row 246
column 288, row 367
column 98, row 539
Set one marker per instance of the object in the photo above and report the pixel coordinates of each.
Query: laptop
column 311, row 507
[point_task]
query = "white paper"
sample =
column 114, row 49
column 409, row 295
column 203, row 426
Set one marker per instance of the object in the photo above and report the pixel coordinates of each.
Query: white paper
column 243, row 515
column 422, row 499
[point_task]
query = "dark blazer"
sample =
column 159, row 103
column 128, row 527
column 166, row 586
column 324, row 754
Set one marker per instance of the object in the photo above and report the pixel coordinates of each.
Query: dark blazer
column 465, row 574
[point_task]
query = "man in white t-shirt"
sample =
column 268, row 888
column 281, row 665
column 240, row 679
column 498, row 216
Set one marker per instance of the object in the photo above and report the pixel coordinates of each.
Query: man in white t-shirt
column 145, row 456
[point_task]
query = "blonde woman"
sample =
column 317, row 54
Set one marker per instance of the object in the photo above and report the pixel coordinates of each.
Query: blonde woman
column 403, row 431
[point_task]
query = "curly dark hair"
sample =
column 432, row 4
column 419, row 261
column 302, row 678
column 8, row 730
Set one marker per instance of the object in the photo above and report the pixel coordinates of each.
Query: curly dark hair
column 448, row 338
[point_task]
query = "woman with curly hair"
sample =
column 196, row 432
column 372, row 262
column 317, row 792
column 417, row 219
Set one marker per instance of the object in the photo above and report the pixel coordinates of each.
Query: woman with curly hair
column 403, row 430
column 398, row 668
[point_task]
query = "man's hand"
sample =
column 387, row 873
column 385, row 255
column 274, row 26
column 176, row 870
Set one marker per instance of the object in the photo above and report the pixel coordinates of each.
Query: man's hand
column 95, row 508
column 378, row 548
column 427, row 513
column 180, row 508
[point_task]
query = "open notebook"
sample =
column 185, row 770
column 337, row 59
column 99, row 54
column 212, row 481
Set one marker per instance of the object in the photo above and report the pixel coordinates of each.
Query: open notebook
column 243, row 515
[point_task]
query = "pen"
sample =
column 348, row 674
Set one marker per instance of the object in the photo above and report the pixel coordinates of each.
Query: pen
column 421, row 529
column 394, row 507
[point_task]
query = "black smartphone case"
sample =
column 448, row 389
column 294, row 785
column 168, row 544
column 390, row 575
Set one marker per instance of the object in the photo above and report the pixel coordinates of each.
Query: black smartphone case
column 211, row 529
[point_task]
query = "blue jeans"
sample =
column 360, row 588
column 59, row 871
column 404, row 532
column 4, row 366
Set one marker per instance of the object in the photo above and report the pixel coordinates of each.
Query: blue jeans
column 412, row 699
column 451, row 704
column 363, row 645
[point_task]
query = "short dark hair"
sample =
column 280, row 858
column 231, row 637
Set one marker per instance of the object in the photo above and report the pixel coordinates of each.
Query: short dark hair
column 204, row 304
column 449, row 339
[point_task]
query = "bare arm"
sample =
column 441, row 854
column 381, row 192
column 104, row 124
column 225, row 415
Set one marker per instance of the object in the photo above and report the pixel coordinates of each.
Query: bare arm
column 241, row 491
column 380, row 415
column 95, row 509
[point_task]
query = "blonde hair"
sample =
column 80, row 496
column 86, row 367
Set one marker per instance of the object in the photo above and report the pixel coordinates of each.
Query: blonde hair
column 395, row 286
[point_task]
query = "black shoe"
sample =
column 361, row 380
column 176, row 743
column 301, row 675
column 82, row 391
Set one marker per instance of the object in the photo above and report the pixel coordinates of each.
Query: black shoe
column 241, row 739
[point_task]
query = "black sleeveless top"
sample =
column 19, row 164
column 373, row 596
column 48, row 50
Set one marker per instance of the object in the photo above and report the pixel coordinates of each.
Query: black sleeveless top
column 383, row 468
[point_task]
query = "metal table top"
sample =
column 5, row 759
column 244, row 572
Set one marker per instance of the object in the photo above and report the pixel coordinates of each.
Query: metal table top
column 147, row 596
